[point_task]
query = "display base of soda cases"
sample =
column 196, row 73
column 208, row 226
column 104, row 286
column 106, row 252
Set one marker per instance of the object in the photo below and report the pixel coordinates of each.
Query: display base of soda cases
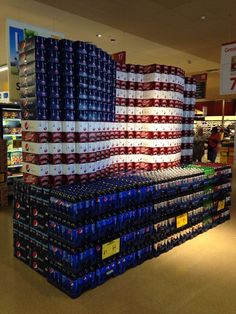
column 104, row 145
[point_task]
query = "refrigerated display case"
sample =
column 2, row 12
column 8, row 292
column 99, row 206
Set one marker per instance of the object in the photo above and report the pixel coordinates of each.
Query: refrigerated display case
column 11, row 131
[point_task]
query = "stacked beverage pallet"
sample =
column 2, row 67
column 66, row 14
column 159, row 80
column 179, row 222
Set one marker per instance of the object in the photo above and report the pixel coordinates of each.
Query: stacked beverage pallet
column 99, row 230
column 30, row 226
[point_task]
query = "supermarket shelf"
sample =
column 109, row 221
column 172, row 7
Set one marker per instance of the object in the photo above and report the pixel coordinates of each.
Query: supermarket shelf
column 15, row 166
column 11, row 119
column 14, row 150
column 15, row 176
column 18, row 135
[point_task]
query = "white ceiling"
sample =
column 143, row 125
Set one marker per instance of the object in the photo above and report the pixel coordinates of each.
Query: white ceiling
column 172, row 23
column 150, row 31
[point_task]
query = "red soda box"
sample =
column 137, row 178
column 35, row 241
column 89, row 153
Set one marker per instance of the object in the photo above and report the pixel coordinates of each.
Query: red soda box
column 55, row 131
column 69, row 153
column 35, row 148
column 35, row 180
column 36, row 170
column 36, row 158
column 35, row 126
column 69, row 131
column 36, row 137
column 56, row 155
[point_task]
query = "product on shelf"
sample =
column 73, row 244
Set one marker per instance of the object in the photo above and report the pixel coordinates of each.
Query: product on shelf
column 80, row 235
column 12, row 132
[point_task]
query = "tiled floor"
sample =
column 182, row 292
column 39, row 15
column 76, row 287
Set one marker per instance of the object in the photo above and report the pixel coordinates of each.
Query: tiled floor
column 197, row 277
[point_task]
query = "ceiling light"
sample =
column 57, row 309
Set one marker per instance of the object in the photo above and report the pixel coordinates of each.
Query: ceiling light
column 99, row 35
column 203, row 17
column 112, row 40
column 3, row 68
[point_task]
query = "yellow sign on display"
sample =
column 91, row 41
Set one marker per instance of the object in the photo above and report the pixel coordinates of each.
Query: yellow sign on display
column 110, row 248
column 221, row 205
column 181, row 220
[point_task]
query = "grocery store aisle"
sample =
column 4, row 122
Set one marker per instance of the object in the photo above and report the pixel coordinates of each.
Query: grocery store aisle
column 197, row 277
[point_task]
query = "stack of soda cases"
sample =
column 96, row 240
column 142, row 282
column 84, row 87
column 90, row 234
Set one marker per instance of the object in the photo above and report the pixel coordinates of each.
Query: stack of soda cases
column 100, row 230
column 30, row 226
column 150, row 102
column 67, row 93
column 188, row 120
column 95, row 86
column 205, row 208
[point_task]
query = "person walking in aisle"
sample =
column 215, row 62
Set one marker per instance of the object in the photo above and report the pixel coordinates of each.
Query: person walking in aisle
column 213, row 144
column 199, row 145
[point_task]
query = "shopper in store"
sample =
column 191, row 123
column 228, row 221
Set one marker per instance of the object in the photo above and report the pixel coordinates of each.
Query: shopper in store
column 199, row 145
column 213, row 144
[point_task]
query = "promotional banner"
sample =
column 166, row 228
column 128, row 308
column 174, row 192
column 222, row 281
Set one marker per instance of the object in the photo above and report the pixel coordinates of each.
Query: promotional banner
column 228, row 69
column 119, row 57
column 16, row 32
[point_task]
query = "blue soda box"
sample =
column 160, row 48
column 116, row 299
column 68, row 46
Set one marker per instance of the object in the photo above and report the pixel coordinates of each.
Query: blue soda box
column 54, row 69
column 69, row 115
column 39, row 222
column 67, row 69
column 81, row 59
column 92, row 61
column 53, row 56
column 43, row 193
column 68, row 81
column 82, row 105
column 39, row 267
column 106, row 272
column 52, row 44
column 35, row 114
column 33, row 91
column 21, row 227
column 92, row 105
column 126, row 262
column 21, row 247
column 38, row 251
column 81, row 70
column 83, row 93
column 38, row 236
column 33, row 79
column 81, row 47
column 70, row 285
column 68, row 103
column 82, row 82
column 67, row 57
column 54, row 103
column 54, row 91
column 91, row 72
column 74, row 235
column 68, row 92
column 66, row 45
column 21, row 215
column 55, row 115
column 39, row 208
column 32, row 55
column 36, row 42
column 74, row 260
column 33, row 67
column 91, row 50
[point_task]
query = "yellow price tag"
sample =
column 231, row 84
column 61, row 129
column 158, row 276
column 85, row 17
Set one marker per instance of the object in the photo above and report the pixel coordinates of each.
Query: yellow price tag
column 181, row 220
column 221, row 205
column 110, row 248
column 14, row 137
